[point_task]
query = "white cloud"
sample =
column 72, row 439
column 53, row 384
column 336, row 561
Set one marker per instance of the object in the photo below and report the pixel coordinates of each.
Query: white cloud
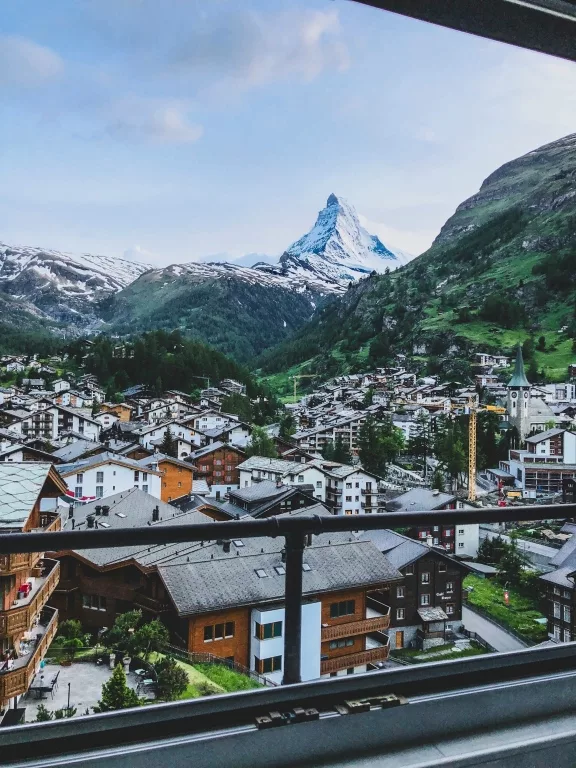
column 139, row 254
column 164, row 123
column 252, row 49
column 24, row 63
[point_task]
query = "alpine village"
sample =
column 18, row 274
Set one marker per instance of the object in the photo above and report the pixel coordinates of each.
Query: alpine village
column 348, row 379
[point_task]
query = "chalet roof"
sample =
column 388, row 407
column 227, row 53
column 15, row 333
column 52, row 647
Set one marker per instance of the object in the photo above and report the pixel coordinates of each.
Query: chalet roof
column 233, row 580
column 21, row 483
column 278, row 466
column 213, row 447
column 76, row 450
column 544, row 436
column 560, row 576
column 129, row 509
column 419, row 500
column 106, row 457
column 156, row 458
column 402, row 550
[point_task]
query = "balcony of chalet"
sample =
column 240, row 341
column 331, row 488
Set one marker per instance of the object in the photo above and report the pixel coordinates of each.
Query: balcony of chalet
column 16, row 674
column 21, row 614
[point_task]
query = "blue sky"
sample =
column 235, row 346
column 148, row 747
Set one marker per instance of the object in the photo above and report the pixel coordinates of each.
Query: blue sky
column 173, row 131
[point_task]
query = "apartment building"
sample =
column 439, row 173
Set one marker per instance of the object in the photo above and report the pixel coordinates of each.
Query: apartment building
column 107, row 473
column 547, row 463
column 461, row 539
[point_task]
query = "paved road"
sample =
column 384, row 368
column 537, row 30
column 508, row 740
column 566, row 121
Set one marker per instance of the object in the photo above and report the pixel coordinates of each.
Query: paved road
column 526, row 546
column 490, row 632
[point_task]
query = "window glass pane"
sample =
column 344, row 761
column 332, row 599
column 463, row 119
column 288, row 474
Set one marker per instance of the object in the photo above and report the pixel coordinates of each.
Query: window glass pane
column 229, row 629
column 218, row 631
column 208, row 633
column 277, row 629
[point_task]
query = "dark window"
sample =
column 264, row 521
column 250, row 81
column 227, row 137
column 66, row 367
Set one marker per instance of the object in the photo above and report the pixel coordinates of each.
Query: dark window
column 271, row 664
column 218, row 631
column 347, row 643
column 208, row 634
column 441, row 566
column 344, row 608
column 268, row 631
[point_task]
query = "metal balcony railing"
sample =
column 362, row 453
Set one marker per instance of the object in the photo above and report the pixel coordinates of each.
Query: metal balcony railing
column 293, row 529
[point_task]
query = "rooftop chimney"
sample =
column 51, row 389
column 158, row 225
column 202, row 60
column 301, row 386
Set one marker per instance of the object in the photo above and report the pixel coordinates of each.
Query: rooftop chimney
column 279, row 483
column 155, row 514
column 226, row 546
column 283, row 554
column 105, row 510
column 70, row 511
column 98, row 509
column 90, row 521
column 429, row 540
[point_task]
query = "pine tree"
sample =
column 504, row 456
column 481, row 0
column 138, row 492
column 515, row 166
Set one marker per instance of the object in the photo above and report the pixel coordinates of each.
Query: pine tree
column 261, row 444
column 328, row 450
column 341, row 451
column 172, row 679
column 168, row 446
column 116, row 694
column 438, row 480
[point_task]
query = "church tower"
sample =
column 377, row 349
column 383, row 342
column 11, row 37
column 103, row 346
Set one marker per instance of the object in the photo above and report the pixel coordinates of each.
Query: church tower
column 518, row 400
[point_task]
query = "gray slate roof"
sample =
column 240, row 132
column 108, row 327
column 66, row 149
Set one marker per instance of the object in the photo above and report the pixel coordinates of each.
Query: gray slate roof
column 76, row 449
column 419, row 500
column 544, row 435
column 134, row 504
column 105, row 457
column 20, row 486
column 232, row 581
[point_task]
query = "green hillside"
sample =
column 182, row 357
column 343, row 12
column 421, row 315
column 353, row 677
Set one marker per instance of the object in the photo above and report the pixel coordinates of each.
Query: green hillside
column 239, row 318
column 501, row 271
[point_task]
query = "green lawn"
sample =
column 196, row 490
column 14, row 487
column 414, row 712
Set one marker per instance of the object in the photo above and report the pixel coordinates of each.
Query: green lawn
column 227, row 679
column 520, row 615
column 411, row 654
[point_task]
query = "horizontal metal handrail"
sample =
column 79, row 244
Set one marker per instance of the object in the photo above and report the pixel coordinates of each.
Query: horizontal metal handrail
column 11, row 543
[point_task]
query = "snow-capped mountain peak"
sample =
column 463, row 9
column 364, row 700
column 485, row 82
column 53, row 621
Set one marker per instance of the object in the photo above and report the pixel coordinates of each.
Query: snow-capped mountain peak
column 338, row 248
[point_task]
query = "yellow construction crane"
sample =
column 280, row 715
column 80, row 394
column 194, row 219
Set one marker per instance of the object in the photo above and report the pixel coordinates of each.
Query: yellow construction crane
column 301, row 376
column 472, row 422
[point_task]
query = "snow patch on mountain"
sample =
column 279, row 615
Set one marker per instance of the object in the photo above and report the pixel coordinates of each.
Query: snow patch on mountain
column 60, row 283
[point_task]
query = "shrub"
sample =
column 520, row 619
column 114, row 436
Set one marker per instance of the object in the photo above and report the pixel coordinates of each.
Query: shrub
column 172, row 679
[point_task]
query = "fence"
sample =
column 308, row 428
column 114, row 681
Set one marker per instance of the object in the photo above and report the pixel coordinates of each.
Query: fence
column 209, row 658
column 293, row 529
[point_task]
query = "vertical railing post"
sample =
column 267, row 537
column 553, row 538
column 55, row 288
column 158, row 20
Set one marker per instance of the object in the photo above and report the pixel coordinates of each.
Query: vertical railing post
column 293, row 607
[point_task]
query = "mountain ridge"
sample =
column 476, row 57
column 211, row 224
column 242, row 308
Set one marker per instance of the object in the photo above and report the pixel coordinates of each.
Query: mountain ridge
column 500, row 271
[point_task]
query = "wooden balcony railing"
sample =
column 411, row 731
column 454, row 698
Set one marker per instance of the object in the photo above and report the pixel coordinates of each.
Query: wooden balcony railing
column 20, row 617
column 351, row 628
column 371, row 656
column 18, row 680
column 18, row 562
